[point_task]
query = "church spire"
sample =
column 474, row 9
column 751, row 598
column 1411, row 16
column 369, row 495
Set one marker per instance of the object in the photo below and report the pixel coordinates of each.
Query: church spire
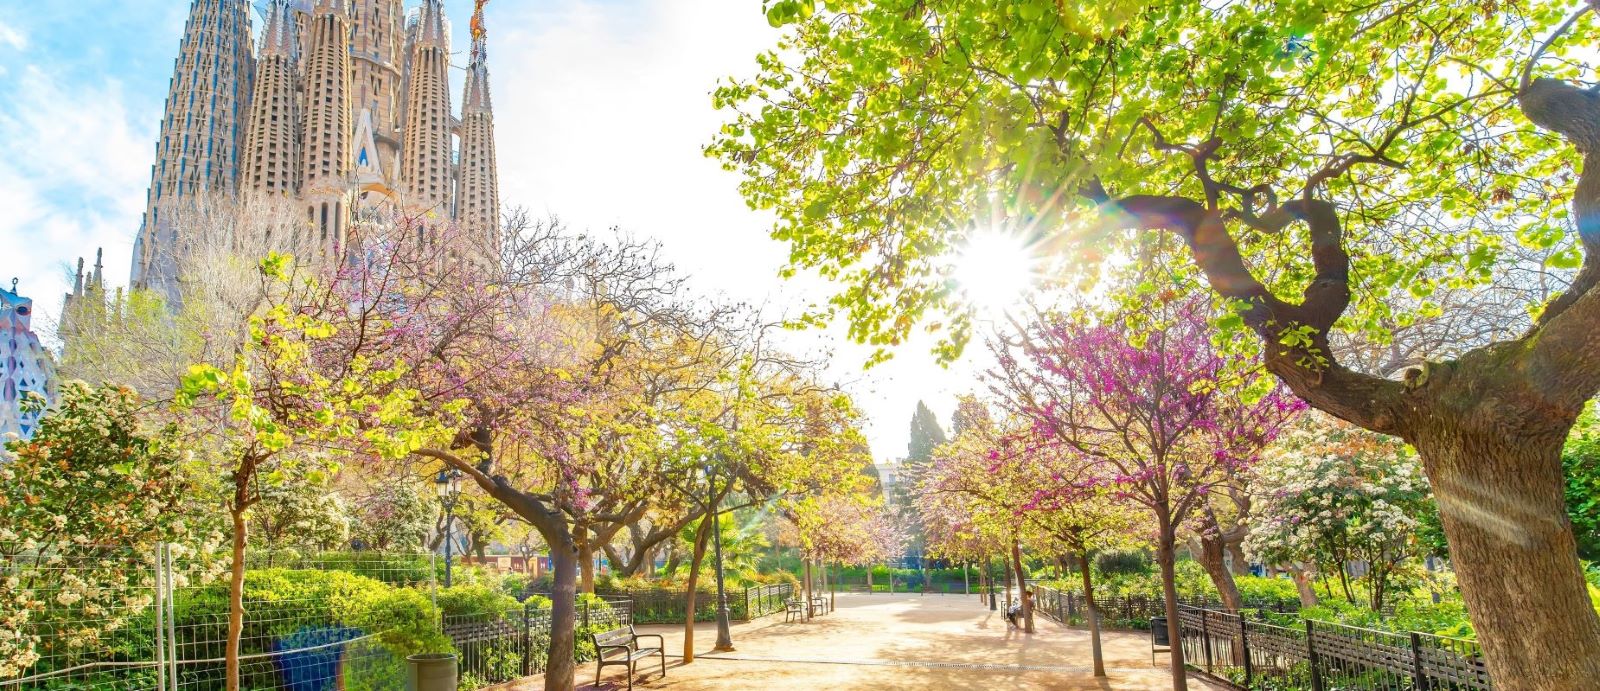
column 478, row 198
column 202, row 130
column 326, row 149
column 426, row 155
column 272, row 143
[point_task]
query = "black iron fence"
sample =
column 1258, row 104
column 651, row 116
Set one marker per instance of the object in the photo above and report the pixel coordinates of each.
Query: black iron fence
column 766, row 599
column 1252, row 653
column 669, row 605
column 498, row 647
column 1324, row 656
column 1129, row 612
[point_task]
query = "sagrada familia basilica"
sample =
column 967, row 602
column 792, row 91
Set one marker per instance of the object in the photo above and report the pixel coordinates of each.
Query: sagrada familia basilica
column 341, row 106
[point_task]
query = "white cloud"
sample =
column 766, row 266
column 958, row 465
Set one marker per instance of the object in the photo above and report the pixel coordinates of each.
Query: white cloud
column 72, row 176
column 13, row 37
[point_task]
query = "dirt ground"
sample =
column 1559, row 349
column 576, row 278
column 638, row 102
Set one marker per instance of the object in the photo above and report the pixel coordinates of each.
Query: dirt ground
column 882, row 641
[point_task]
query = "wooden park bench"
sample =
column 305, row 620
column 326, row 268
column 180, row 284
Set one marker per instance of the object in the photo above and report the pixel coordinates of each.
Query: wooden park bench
column 620, row 646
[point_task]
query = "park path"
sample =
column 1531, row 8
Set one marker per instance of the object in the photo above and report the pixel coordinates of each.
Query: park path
column 898, row 641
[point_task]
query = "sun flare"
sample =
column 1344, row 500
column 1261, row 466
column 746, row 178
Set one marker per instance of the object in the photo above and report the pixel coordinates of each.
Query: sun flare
column 994, row 270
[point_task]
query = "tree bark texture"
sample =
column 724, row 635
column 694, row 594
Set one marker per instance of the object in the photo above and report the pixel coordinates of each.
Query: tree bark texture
column 1210, row 556
column 1022, row 587
column 1166, row 557
column 235, row 596
column 1092, row 614
column 700, row 540
column 1301, row 575
column 1488, row 425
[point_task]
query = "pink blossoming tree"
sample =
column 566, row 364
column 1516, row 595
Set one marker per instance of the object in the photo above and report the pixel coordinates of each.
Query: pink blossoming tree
column 1147, row 413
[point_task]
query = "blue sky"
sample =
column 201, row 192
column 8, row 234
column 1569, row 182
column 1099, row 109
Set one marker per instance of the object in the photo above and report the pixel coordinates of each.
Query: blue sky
column 602, row 108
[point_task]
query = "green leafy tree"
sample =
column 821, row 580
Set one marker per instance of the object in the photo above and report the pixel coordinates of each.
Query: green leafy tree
column 926, row 435
column 394, row 516
column 1332, row 495
column 83, row 505
column 1580, row 458
column 292, row 393
column 299, row 513
column 1329, row 166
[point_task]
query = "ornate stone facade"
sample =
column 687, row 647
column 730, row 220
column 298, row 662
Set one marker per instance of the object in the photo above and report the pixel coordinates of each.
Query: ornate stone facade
column 339, row 107
column 25, row 366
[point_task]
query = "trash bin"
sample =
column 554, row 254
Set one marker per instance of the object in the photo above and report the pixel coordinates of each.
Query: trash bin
column 431, row 672
column 1158, row 632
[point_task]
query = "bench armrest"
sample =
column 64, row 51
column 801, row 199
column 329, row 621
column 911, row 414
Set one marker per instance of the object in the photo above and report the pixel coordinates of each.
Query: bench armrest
column 661, row 642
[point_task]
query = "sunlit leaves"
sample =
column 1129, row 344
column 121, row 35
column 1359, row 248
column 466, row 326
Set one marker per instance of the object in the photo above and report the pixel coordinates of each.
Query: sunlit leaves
column 877, row 131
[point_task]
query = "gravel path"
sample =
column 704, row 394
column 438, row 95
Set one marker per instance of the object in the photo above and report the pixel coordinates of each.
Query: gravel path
column 898, row 641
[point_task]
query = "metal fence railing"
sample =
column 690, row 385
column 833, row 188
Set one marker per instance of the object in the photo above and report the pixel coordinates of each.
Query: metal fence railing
column 1323, row 656
column 763, row 600
column 498, row 647
column 1252, row 653
column 1132, row 611
column 118, row 619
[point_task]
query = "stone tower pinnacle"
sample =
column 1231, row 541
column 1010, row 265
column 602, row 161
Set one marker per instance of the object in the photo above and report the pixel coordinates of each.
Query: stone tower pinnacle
column 201, row 131
column 425, row 160
column 478, row 197
column 328, row 124
column 377, row 57
column 272, row 142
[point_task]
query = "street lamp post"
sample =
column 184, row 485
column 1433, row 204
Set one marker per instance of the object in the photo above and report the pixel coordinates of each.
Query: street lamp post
column 724, row 634
column 448, row 484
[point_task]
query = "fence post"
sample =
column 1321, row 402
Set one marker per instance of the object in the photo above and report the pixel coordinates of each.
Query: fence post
column 1419, row 679
column 1205, row 635
column 161, row 612
column 1311, row 657
column 586, row 614
column 1244, row 645
column 527, row 639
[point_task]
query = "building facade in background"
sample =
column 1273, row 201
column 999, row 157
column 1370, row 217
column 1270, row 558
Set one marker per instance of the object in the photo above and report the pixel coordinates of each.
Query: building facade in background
column 341, row 106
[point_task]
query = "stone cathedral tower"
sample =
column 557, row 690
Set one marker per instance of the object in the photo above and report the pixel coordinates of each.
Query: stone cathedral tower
column 344, row 105
column 478, row 196
column 201, row 130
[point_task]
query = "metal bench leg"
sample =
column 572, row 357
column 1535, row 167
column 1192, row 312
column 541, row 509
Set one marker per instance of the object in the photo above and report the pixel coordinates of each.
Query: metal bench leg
column 663, row 655
column 630, row 674
column 597, row 668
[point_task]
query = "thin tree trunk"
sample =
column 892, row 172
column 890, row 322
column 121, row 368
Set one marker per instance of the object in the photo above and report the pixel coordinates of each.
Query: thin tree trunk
column 1166, row 555
column 1241, row 564
column 1007, row 563
column 586, row 564
column 700, row 539
column 1022, row 586
column 1093, row 615
column 1302, row 583
column 236, row 587
column 807, row 605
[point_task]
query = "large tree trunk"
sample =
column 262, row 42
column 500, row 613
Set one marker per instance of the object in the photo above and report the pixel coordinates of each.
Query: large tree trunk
column 700, row 541
column 1022, row 586
column 1500, row 495
column 1166, row 556
column 1210, row 556
column 561, row 666
column 1093, row 615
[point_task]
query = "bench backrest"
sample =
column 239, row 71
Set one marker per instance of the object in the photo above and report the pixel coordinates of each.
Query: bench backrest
column 618, row 636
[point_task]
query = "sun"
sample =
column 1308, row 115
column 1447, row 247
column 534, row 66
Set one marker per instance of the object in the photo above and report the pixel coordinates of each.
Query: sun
column 994, row 270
